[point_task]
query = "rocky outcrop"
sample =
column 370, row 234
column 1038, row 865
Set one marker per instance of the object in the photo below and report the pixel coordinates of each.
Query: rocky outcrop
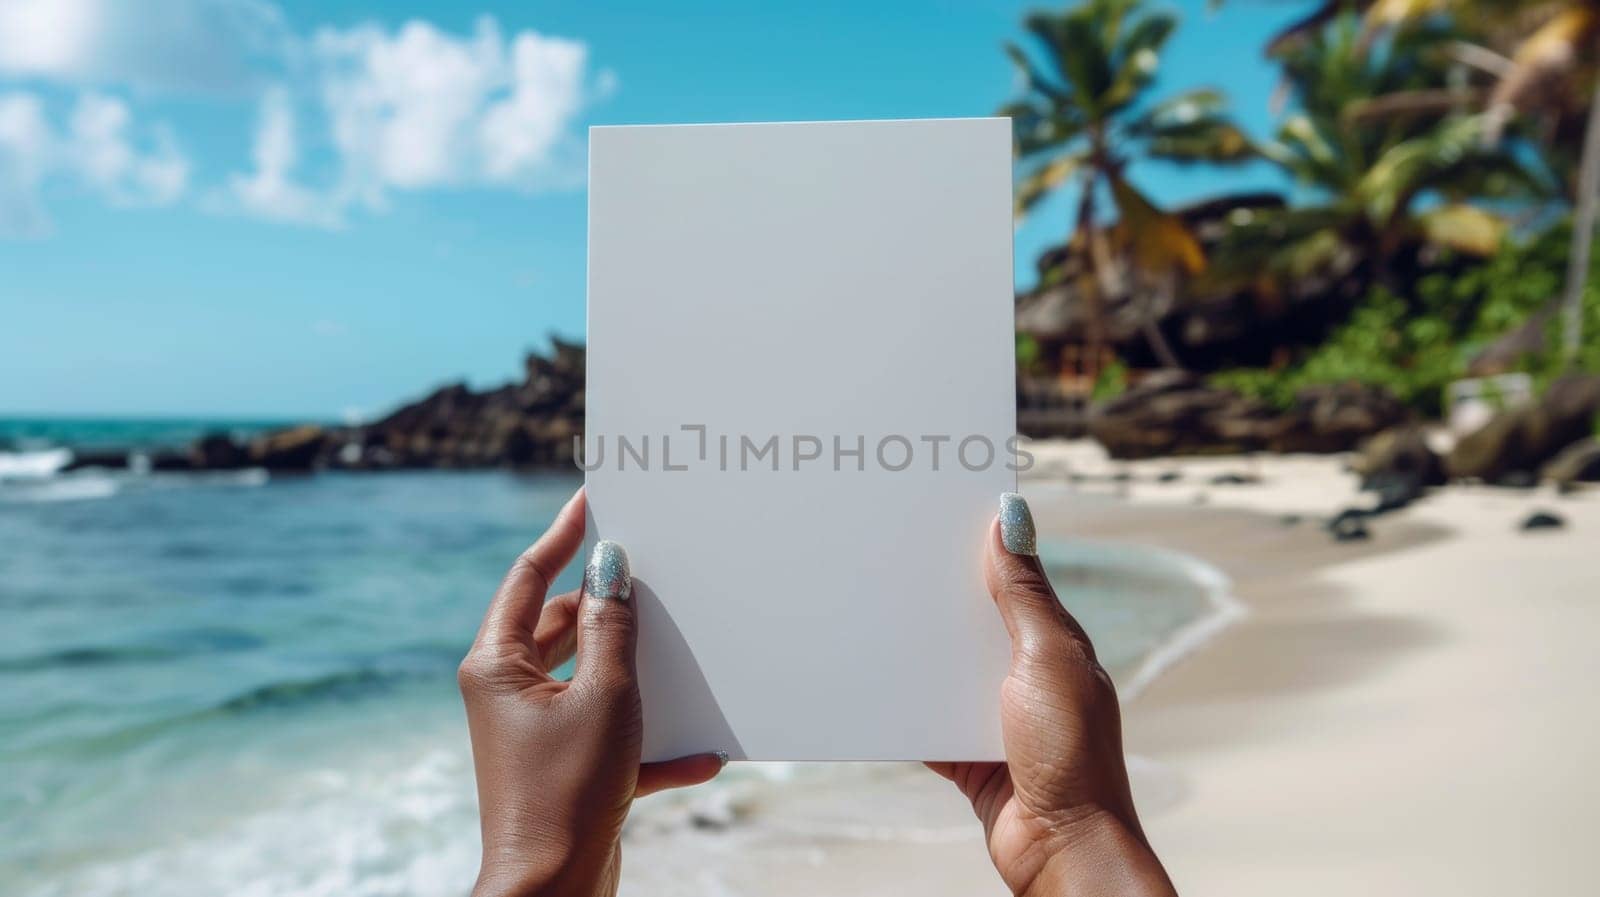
column 1336, row 417
column 298, row 449
column 1577, row 463
column 218, row 451
column 1175, row 413
column 530, row 423
column 1517, row 442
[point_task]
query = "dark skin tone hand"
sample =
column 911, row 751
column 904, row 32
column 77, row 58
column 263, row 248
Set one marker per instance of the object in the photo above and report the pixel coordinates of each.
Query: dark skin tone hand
column 1058, row 814
column 558, row 762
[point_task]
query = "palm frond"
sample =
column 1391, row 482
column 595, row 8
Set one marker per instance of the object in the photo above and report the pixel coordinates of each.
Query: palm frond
column 1464, row 228
column 1158, row 241
column 1035, row 185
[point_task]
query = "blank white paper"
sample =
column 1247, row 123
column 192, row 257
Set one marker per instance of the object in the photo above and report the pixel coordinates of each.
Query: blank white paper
column 832, row 286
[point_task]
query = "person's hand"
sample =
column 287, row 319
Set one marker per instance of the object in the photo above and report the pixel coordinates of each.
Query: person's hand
column 1058, row 814
column 558, row 762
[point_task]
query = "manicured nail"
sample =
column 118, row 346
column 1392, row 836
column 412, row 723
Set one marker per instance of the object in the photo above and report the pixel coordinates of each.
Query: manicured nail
column 722, row 757
column 1016, row 525
column 607, row 574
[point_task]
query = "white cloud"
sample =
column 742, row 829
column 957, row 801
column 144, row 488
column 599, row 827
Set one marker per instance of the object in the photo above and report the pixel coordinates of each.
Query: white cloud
column 24, row 156
column 346, row 118
column 418, row 107
column 270, row 191
column 96, row 147
column 107, row 158
column 188, row 45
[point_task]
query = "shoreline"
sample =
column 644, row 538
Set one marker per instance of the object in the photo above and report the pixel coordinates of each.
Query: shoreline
column 1226, row 610
column 1408, row 714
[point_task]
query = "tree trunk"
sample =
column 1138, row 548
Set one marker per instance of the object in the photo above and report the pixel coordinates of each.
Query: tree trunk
column 1151, row 325
column 1095, row 295
column 1583, row 220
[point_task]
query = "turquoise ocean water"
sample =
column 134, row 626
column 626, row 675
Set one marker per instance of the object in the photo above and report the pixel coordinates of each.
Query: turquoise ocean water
column 231, row 684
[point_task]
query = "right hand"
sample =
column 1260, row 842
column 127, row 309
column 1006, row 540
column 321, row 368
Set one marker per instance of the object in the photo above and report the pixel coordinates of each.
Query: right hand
column 1058, row 814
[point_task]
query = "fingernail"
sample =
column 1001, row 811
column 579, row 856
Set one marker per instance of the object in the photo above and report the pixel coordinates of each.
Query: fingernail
column 722, row 757
column 1016, row 525
column 607, row 574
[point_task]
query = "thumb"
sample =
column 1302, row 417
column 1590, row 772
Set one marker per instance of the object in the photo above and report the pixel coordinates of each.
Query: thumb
column 606, row 622
column 1033, row 615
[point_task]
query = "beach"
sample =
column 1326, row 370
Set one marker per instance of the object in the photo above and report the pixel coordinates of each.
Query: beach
column 267, row 690
column 1411, row 716
column 1408, row 714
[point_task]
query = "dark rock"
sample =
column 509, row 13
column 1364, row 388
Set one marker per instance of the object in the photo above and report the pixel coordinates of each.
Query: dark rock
column 1577, row 463
column 169, row 462
column 1349, row 525
column 1170, row 476
column 1524, row 438
column 1543, row 520
column 1235, row 479
column 1175, row 413
column 526, row 424
column 218, row 451
column 103, row 459
column 1399, row 453
column 1517, row 479
column 294, row 450
column 1336, row 418
column 1398, row 465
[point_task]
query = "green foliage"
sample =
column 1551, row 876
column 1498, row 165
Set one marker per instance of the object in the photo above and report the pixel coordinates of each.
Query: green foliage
column 1414, row 346
column 1083, row 111
column 1368, row 174
column 1112, row 382
column 1029, row 356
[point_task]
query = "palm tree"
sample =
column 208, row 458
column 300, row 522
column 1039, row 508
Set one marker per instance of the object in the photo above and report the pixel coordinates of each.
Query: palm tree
column 1370, row 161
column 1540, row 57
column 1080, row 119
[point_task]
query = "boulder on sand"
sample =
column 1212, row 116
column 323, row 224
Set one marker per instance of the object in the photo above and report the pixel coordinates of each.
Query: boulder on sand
column 1398, row 465
column 1176, row 413
column 1577, row 463
column 1522, row 439
column 1336, row 417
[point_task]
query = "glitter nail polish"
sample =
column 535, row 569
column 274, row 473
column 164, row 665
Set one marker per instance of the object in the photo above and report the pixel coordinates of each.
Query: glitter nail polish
column 1016, row 525
column 607, row 574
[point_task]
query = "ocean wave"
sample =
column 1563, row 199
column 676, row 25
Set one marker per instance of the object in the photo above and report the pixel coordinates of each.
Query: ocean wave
column 88, row 656
column 1225, row 610
column 44, row 485
column 170, row 646
column 402, row 821
column 33, row 465
column 343, row 685
column 63, row 488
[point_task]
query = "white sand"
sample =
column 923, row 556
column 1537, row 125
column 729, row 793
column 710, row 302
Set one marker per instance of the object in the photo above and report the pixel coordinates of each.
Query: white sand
column 1413, row 715
column 1418, row 722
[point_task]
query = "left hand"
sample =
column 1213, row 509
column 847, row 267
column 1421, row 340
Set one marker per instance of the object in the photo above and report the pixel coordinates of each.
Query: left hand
column 558, row 762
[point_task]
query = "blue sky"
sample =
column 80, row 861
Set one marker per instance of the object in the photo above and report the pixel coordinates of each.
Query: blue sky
column 279, row 208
